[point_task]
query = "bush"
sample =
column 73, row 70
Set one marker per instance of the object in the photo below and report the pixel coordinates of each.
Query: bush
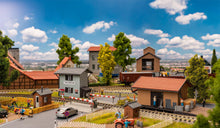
column 122, row 102
column 201, row 122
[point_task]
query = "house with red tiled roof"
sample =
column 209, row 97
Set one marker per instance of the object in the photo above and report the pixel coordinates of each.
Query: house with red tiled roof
column 93, row 60
column 35, row 79
column 166, row 92
column 66, row 63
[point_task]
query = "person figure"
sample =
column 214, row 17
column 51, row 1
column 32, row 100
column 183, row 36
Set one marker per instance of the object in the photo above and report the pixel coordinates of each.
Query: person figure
column 155, row 100
column 31, row 112
column 28, row 103
column 118, row 114
column 14, row 100
column 203, row 103
column 126, row 123
column 182, row 104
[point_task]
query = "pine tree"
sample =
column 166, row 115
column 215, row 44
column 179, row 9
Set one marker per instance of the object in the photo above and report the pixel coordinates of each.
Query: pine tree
column 65, row 50
column 214, row 59
column 106, row 62
column 123, row 51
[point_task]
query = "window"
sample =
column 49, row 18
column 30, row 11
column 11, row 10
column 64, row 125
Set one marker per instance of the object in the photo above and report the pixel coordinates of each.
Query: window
column 68, row 66
column 98, row 66
column 68, row 90
column 147, row 64
column 69, row 77
column 93, row 57
column 93, row 67
column 45, row 99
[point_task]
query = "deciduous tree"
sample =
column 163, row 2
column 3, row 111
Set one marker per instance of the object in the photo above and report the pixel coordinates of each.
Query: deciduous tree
column 123, row 51
column 106, row 62
column 5, row 78
column 197, row 75
column 65, row 50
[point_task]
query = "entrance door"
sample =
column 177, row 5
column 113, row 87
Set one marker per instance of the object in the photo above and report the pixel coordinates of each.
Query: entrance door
column 159, row 98
column 37, row 101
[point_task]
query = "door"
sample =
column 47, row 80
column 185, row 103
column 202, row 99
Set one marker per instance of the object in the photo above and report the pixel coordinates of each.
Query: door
column 168, row 103
column 159, row 98
column 37, row 101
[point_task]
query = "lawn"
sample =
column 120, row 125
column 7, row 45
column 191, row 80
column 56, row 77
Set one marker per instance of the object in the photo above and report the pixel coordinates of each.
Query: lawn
column 107, row 118
column 54, row 94
column 2, row 121
column 179, row 125
column 148, row 121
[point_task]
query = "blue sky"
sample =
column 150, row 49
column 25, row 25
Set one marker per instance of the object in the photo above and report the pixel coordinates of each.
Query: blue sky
column 177, row 29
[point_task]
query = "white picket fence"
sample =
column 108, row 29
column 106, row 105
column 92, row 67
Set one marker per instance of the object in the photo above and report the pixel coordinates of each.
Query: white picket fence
column 79, row 125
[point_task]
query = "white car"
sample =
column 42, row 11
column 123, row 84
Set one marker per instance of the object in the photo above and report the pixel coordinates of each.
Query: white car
column 66, row 112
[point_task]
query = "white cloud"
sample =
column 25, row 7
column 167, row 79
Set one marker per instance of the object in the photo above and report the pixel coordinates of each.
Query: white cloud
column 16, row 25
column 159, row 33
column 85, row 45
column 186, row 43
column 98, row 25
column 166, row 54
column 74, row 41
column 53, row 31
column 137, row 52
column 204, row 51
column 163, row 41
column 24, row 53
column 83, row 56
column 135, row 41
column 18, row 43
column 214, row 39
column 27, row 18
column 29, row 48
column 54, row 45
column 185, row 19
column 12, row 32
column 49, row 55
column 171, row 6
column 34, row 35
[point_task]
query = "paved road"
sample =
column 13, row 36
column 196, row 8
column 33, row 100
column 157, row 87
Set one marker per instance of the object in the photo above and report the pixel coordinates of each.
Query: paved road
column 206, row 105
column 46, row 119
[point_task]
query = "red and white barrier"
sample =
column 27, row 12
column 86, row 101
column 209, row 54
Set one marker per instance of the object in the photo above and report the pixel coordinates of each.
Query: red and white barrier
column 86, row 100
column 102, row 96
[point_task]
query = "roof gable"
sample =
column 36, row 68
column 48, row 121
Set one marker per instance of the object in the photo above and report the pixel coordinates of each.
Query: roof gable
column 43, row 91
column 15, row 61
column 159, row 83
column 147, row 54
column 133, row 104
column 63, row 62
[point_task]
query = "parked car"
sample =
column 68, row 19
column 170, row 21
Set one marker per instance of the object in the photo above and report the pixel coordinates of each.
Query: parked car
column 3, row 113
column 66, row 112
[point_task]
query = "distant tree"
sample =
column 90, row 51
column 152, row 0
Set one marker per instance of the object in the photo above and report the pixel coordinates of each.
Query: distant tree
column 214, row 59
column 106, row 62
column 201, row 122
column 65, row 50
column 197, row 75
column 123, row 51
column 5, row 78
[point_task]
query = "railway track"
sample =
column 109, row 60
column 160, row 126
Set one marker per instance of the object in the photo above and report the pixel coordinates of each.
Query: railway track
column 178, row 117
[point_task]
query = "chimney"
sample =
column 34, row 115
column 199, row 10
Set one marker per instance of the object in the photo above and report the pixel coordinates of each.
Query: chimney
column 42, row 89
column 69, row 57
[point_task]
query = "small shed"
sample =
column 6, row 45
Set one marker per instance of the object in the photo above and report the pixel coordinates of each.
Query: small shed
column 42, row 97
column 131, row 109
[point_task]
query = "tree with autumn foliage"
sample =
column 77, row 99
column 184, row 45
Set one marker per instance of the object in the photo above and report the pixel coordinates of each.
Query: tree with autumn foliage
column 106, row 62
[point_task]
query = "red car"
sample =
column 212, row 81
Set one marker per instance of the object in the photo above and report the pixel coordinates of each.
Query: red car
column 119, row 123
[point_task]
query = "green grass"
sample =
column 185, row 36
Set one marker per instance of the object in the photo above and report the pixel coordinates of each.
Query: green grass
column 55, row 94
column 210, row 101
column 148, row 121
column 107, row 118
column 2, row 121
column 179, row 125
column 25, row 92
